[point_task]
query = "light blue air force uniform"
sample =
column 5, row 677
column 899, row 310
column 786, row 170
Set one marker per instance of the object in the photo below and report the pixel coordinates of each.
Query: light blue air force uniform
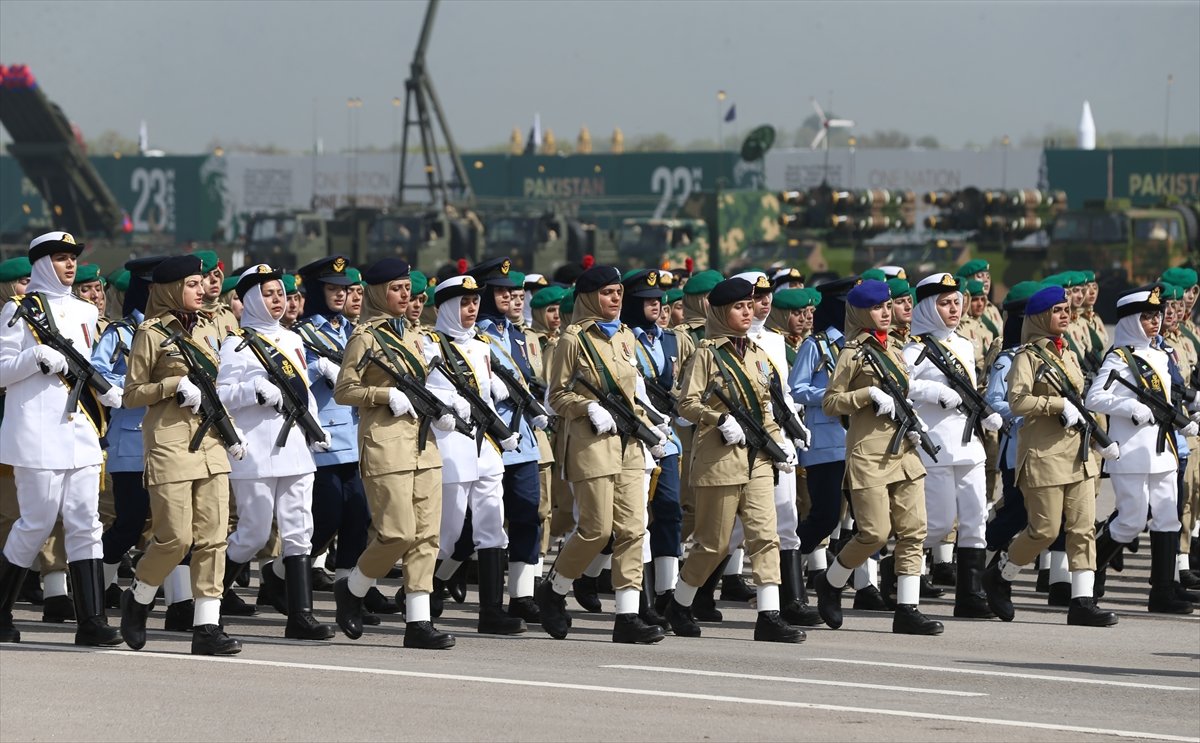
column 500, row 340
column 341, row 421
column 124, row 436
column 809, row 376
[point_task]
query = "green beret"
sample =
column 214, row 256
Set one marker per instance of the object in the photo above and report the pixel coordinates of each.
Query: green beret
column 1056, row 279
column 355, row 276
column 1022, row 291
column 517, row 278
column 873, row 274
column 547, row 296
column 815, row 294
column 1172, row 291
column 899, row 288
column 119, row 279
column 703, row 282
column 672, row 296
column 291, row 283
column 15, row 268
column 1180, row 276
column 87, row 273
column 975, row 288
column 1090, row 276
column 420, row 282
column 229, row 283
column 568, row 301
column 972, row 267
column 792, row 299
column 208, row 260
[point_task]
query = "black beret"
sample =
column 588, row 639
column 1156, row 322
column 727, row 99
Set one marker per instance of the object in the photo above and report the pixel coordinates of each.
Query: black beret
column 596, row 278
column 494, row 273
column 643, row 284
column 385, row 270
column 729, row 291
column 143, row 268
column 838, row 288
column 251, row 279
column 331, row 270
column 176, row 268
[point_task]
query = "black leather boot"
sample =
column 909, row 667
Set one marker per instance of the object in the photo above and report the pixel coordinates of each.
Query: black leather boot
column 112, row 597
column 349, row 609
column 321, row 582
column 1059, row 594
column 552, row 605
column 1163, row 596
column 1189, row 579
column 646, row 608
column 493, row 620
column 210, row 639
column 133, row 620
column 928, row 590
column 943, row 574
column 58, row 610
column 704, row 605
column 970, row 602
column 909, row 620
column 87, row 584
column 31, row 591
column 524, row 607
column 829, row 601
column 376, row 603
column 793, row 597
column 680, row 617
column 736, row 588
column 887, row 580
column 12, row 581
column 272, row 588
column 998, row 590
column 301, row 624
column 1043, row 580
column 1085, row 613
column 629, row 629
column 587, row 593
column 179, row 615
column 424, row 636
column 771, row 627
column 437, row 597
column 869, row 598
column 232, row 604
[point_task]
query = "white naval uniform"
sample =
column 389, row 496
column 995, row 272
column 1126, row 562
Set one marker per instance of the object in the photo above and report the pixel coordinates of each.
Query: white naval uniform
column 955, row 485
column 55, row 455
column 270, row 482
column 1142, row 477
column 471, row 476
column 786, row 514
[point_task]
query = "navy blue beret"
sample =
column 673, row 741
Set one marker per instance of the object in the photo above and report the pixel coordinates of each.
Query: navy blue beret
column 385, row 270
column 596, row 278
column 868, row 294
column 1044, row 299
column 729, row 291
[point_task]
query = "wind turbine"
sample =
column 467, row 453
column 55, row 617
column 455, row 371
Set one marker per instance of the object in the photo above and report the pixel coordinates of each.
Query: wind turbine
column 823, row 133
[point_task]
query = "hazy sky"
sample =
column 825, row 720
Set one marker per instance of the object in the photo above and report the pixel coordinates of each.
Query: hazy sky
column 255, row 72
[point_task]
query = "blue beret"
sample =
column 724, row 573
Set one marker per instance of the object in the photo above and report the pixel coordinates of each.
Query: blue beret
column 385, row 270
column 1044, row 299
column 868, row 294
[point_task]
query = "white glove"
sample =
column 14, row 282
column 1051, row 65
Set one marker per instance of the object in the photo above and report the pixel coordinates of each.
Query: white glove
column 1191, row 429
column 913, row 437
column 49, row 360
column 399, row 403
column 731, row 431
column 658, row 451
column 499, row 391
column 444, row 423
column 803, row 445
column 1140, row 413
column 884, row 404
column 324, row 444
column 601, row 419
column 112, row 398
column 1071, row 414
column 992, row 422
column 328, row 369
column 789, row 466
column 510, row 443
column 541, row 422
column 189, row 394
column 238, row 451
column 948, row 398
column 462, row 408
column 1195, row 416
column 267, row 393
column 1110, row 452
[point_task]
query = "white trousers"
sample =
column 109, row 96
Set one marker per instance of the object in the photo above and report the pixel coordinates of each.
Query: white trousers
column 41, row 496
column 486, row 498
column 786, row 516
column 1137, row 492
column 286, row 499
column 956, row 492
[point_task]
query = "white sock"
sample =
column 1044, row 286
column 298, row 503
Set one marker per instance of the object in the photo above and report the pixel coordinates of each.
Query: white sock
column 359, row 584
column 1058, row 568
column 685, row 594
column 862, row 577
column 627, row 600
column 736, row 557
column 178, row 585
column 924, row 564
column 143, row 593
column 110, row 572
column 597, row 564
column 666, row 573
column 908, row 590
column 1043, row 560
column 416, row 606
column 447, row 569
column 1009, row 570
column 54, row 584
column 561, row 584
column 818, row 559
column 206, row 610
column 768, row 597
column 847, row 522
column 836, row 533
column 540, row 567
column 1196, row 528
column 279, row 568
column 516, row 573
column 1181, row 563
column 943, row 552
column 1082, row 584
column 837, row 574
column 340, row 573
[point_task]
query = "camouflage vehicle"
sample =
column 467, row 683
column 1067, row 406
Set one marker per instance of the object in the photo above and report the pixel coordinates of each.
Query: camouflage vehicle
column 543, row 241
column 653, row 243
column 1126, row 246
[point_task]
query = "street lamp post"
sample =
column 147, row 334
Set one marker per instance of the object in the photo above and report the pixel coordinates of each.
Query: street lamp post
column 1004, row 162
column 720, row 119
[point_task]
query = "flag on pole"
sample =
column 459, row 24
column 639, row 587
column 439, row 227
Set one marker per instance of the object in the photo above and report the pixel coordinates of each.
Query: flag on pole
column 534, row 142
column 731, row 114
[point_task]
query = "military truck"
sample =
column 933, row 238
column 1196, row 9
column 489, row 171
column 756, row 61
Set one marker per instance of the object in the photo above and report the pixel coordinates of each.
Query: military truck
column 1126, row 246
column 543, row 240
column 654, row 243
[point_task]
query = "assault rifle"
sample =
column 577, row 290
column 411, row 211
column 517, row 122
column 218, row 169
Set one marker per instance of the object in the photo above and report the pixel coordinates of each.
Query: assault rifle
column 1166, row 415
column 628, row 424
column 486, row 420
column 212, row 412
column 973, row 405
column 523, row 400
column 757, row 438
column 295, row 407
column 787, row 421
column 428, row 406
column 906, row 418
column 1089, row 428
column 80, row 372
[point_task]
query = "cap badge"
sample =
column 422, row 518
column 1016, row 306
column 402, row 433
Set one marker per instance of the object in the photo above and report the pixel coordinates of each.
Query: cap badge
column 652, row 278
column 947, row 280
column 762, row 283
column 339, row 264
column 68, row 239
column 469, row 284
column 264, row 268
column 901, row 274
column 504, row 267
column 1155, row 296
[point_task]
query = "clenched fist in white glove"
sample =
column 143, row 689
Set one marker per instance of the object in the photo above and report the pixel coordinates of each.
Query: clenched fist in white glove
column 399, row 403
column 1071, row 415
column 1191, row 429
column 499, row 391
column 328, row 369
column 462, row 408
column 267, row 393
column 444, row 423
column 510, row 443
column 884, row 404
column 540, row 422
column 993, row 422
column 188, row 395
column 49, row 360
column 948, row 398
column 802, row 445
column 731, row 430
column 658, row 451
column 602, row 420
column 112, row 398
column 324, row 444
column 1140, row 413
column 1110, row 452
column 789, row 466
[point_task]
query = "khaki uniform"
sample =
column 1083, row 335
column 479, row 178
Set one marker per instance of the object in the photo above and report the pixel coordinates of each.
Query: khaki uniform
column 1186, row 357
column 724, row 484
column 606, row 477
column 403, row 483
column 189, row 491
column 537, row 362
column 689, row 334
column 887, row 491
column 1055, row 482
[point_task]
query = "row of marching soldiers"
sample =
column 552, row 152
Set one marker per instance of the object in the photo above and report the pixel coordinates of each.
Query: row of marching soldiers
column 421, row 436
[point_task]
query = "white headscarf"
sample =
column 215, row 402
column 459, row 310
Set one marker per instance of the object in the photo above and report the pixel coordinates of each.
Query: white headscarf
column 255, row 314
column 1129, row 332
column 45, row 279
column 449, row 320
column 926, row 320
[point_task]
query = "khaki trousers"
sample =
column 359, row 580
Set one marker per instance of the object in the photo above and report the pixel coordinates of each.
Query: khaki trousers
column 191, row 514
column 562, row 508
column 406, row 514
column 609, row 506
column 716, row 508
column 1048, row 507
column 1190, row 497
column 896, row 507
column 687, row 494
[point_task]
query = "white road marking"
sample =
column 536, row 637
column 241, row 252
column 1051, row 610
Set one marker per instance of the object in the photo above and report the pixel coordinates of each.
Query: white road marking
column 793, row 680
column 1008, row 674
column 613, row 690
